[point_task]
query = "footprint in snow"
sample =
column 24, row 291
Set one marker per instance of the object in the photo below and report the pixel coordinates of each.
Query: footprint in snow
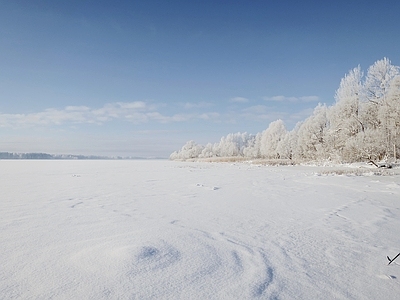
column 73, row 206
column 384, row 276
column 214, row 188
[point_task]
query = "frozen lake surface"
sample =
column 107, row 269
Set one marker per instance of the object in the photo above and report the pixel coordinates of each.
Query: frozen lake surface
column 174, row 230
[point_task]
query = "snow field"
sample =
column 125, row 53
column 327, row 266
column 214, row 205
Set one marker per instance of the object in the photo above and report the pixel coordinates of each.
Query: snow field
column 173, row 230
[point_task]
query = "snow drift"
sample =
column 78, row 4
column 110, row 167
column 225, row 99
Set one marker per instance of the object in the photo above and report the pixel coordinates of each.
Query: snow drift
column 169, row 230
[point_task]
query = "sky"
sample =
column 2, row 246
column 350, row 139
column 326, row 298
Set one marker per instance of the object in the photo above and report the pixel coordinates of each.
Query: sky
column 141, row 78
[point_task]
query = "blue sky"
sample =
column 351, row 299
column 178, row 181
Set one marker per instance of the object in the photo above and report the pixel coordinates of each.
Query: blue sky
column 140, row 78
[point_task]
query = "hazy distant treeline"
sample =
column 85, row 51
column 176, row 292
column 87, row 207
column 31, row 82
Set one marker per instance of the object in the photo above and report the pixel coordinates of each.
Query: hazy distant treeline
column 9, row 155
column 362, row 124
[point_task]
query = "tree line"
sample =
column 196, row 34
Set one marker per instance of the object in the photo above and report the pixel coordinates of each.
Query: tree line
column 11, row 155
column 362, row 124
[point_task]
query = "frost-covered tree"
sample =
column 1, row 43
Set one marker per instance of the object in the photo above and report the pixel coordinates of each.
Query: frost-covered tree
column 288, row 143
column 232, row 145
column 270, row 139
column 253, row 147
column 311, row 136
column 360, row 120
column 366, row 145
column 363, row 123
column 377, row 84
column 344, row 116
column 189, row 150
column 208, row 151
column 389, row 117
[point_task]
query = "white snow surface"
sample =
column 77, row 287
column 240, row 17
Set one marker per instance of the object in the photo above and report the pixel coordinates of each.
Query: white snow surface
column 179, row 230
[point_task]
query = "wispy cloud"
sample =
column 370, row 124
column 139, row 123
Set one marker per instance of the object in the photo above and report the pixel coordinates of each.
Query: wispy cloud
column 239, row 100
column 256, row 109
column 135, row 112
column 77, row 108
column 301, row 115
column 292, row 99
column 210, row 116
column 141, row 112
column 261, row 113
column 191, row 105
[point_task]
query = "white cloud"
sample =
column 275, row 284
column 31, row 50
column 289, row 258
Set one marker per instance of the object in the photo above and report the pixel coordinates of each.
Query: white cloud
column 282, row 98
column 77, row 108
column 137, row 105
column 156, row 116
column 209, row 116
column 181, row 117
column 256, row 109
column 135, row 112
column 261, row 113
column 190, row 105
column 239, row 100
column 132, row 111
column 309, row 99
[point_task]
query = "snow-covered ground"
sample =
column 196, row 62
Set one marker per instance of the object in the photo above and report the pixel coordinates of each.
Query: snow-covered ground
column 175, row 230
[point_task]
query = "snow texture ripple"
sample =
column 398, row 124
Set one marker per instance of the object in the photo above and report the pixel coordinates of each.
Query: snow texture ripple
column 173, row 230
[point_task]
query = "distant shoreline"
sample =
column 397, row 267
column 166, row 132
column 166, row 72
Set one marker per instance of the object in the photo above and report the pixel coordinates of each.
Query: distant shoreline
column 47, row 156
